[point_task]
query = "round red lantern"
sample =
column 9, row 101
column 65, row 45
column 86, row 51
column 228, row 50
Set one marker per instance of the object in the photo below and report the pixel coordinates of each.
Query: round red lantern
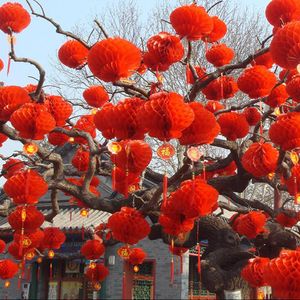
column 95, row 95
column 287, row 218
column 201, row 73
column 13, row 17
column 2, row 246
column 233, row 125
column 8, row 269
column 256, row 81
column 18, row 252
column 25, row 187
column 277, row 96
column 85, row 123
column 175, row 223
column 58, row 138
column 191, row 21
column 137, row 256
column 286, row 75
column 293, row 87
column 113, row 59
column 252, row 115
column 218, row 32
column 11, row 167
column 3, row 138
column 1, row 65
column 214, row 106
column 264, row 59
column 219, row 55
column 29, row 240
column 293, row 182
column 92, row 249
column 128, row 225
column 73, row 54
column 203, row 130
column 260, row 159
column 97, row 273
column 81, row 159
column 126, row 182
column 54, row 238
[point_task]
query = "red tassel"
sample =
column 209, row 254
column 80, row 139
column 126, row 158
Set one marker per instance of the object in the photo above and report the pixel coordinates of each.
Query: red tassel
column 50, row 270
column 199, row 258
column 28, row 273
column 165, row 188
column 172, row 271
column 113, row 177
column 82, row 232
column 126, row 184
column 124, row 286
column 222, row 89
column 19, row 282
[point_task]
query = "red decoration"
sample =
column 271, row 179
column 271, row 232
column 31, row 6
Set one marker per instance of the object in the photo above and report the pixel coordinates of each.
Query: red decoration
column 92, row 249
column 11, row 98
column 293, row 182
column 178, row 250
column 201, row 73
column 260, row 159
column 165, row 115
column 253, row 271
column 278, row 96
column 233, row 125
column 165, row 151
column 95, row 96
column 97, row 273
column 16, row 252
column 34, row 219
column 263, row 60
column 286, row 75
column 13, row 16
column 58, row 138
column 285, row 46
column 285, row 132
column 252, row 115
column 128, row 225
column 293, row 87
column 29, row 240
column 11, row 167
column 214, row 106
column 191, row 21
column 113, row 59
column 81, row 159
column 175, row 224
column 219, row 55
column 256, row 81
column 223, row 87
column 280, row 12
column 59, row 108
column 120, row 120
column 32, row 121
column 124, row 252
column 85, row 123
column 203, row 130
column 73, row 54
column 219, row 31
column 164, row 50
column 54, row 238
column 2, row 246
column 8, row 269
column 3, row 138
column 1, row 65
column 137, row 256
column 287, row 218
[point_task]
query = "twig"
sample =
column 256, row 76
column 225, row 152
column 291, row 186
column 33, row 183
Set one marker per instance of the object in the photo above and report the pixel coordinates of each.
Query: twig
column 214, row 6
column 101, row 28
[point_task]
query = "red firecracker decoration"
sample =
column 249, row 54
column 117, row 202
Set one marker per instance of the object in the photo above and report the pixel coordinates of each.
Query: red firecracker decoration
column 92, row 249
column 3, row 138
column 95, row 96
column 175, row 224
column 287, row 218
column 32, row 121
column 73, row 54
column 11, row 167
column 85, row 123
column 11, row 98
column 277, row 96
column 8, row 269
column 128, row 225
column 97, row 273
column 285, row 46
column 218, row 32
column 285, row 132
column 263, row 60
column 293, row 87
column 203, row 130
column 113, row 59
column 191, row 21
column 214, row 106
column 165, row 115
column 54, row 238
column 164, row 50
column 13, row 16
column 201, row 73
column 260, row 159
column 2, row 246
column 81, row 159
column 219, row 55
column 233, row 125
column 252, row 115
column 256, row 81
column 137, row 256
column 253, row 271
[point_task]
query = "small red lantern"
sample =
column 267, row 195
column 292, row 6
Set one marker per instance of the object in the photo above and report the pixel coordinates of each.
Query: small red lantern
column 252, row 115
column 293, row 87
column 2, row 246
column 201, row 73
column 1, row 65
column 214, row 106
column 175, row 224
column 124, row 252
column 263, row 60
column 99, row 273
column 85, row 123
column 95, row 96
column 3, row 138
column 73, row 54
column 287, row 218
column 218, row 32
column 81, row 159
column 219, row 55
column 29, row 240
column 137, row 256
column 11, row 167
column 18, row 253
column 277, row 96
column 8, row 269
column 58, row 138
column 165, row 151
column 54, row 238
column 92, row 249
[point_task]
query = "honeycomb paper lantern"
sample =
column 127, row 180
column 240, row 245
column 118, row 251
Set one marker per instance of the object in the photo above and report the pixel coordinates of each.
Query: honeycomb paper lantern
column 252, row 115
column 287, row 218
column 3, row 138
column 175, row 224
column 1, row 64
column 97, row 273
column 8, row 269
column 219, row 55
column 92, row 249
column 264, row 59
column 218, row 32
column 114, row 58
column 201, row 73
column 214, row 106
column 293, row 182
column 18, row 252
column 286, row 75
column 29, row 240
column 86, row 124
column 95, row 96
column 54, row 238
column 2, row 246
column 11, row 167
column 126, row 182
column 137, row 256
column 81, row 159
column 13, row 16
column 277, row 96
column 293, row 87
column 58, row 138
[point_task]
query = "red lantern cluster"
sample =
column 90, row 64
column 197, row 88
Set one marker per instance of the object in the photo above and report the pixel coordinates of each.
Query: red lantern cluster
column 219, row 55
column 263, row 60
column 260, row 159
column 92, row 249
column 97, row 273
column 73, row 54
column 81, row 159
column 8, row 269
column 95, row 96
column 277, row 96
column 113, row 59
column 54, row 238
column 252, row 115
column 128, row 225
column 219, row 30
column 11, row 167
column 137, row 256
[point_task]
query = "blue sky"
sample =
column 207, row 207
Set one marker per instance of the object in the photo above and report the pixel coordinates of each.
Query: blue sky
column 40, row 41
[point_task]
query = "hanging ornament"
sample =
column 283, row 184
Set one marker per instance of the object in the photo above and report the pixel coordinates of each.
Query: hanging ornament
column 30, row 148
column 294, row 157
column 124, row 252
column 114, row 148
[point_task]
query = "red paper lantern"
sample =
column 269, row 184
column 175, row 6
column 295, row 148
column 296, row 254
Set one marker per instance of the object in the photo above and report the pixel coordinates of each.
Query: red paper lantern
column 59, row 108
column 81, row 159
column 253, row 271
column 85, row 123
column 113, row 59
column 176, row 224
column 1, row 65
column 8, row 269
column 287, row 218
column 13, row 16
column 165, row 115
column 18, row 253
column 11, row 98
column 285, row 46
column 73, row 54
column 25, row 187
column 164, row 50
column 32, row 121
column 219, row 55
column 214, row 106
column 260, row 159
column 29, row 240
column 223, row 87
column 54, row 238
column 95, row 96
column 203, row 130
column 97, row 273
column 126, row 183
column 233, row 125
column 92, row 249
column 191, row 21
column 286, row 75
column 58, row 138
column 2, row 246
column 293, row 182
column 134, row 156
column 137, row 256
column 34, row 219
column 256, row 81
column 219, row 31
column 121, row 120
column 278, row 96
column 293, row 87
column 11, row 167
column 252, row 115
column 285, row 132
column 128, row 225
column 280, row 12
column 3, row 138
column 201, row 73
column 263, row 60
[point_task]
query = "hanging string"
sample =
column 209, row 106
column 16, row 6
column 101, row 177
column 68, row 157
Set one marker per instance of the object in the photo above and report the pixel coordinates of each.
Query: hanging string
column 50, row 270
column 261, row 130
column 181, row 263
column 172, row 262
